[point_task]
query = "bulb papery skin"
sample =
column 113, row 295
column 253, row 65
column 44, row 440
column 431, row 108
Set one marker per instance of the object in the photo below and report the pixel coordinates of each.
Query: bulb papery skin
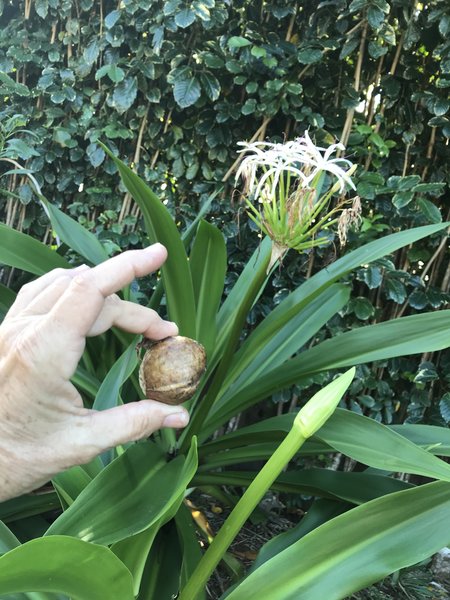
column 171, row 369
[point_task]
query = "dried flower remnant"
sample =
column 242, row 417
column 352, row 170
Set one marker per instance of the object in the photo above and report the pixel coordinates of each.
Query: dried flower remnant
column 283, row 189
column 349, row 218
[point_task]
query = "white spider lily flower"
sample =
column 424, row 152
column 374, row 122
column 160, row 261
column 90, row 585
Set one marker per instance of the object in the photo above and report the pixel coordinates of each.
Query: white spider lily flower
column 325, row 163
column 283, row 191
column 299, row 157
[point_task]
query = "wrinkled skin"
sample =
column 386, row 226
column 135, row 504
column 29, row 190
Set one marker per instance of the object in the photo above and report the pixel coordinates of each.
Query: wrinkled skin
column 44, row 427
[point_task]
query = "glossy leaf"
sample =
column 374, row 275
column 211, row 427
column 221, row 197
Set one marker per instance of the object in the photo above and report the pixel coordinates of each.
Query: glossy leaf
column 7, row 298
column 24, row 252
column 255, row 358
column 8, row 540
column 134, row 491
column 434, row 439
column 65, row 565
column 191, row 548
column 162, row 573
column 309, row 290
column 376, row 445
column 425, row 332
column 208, row 264
column 133, row 551
column 161, row 228
column 357, row 548
column 28, row 505
column 108, row 394
column 356, row 488
column 76, row 236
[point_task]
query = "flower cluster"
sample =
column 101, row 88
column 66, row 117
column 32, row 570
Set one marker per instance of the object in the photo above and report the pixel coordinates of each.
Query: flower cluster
column 285, row 195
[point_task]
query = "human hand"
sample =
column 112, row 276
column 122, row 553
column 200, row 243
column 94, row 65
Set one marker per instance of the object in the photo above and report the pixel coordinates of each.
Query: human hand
column 44, row 427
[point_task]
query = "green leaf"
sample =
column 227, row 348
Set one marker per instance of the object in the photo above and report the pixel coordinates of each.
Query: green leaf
column 357, row 548
column 237, row 41
column 186, row 92
column 133, row 552
column 161, row 228
column 108, row 395
column 268, row 348
column 426, row 332
column 75, row 235
column 122, row 491
column 124, row 94
column 430, row 211
column 65, row 565
column 91, row 52
column 362, row 308
column 112, row 18
column 191, row 548
column 373, row 277
column 28, row 505
column 444, row 407
column 20, row 149
column 208, row 264
column 395, row 290
column 15, row 88
column 115, row 73
column 309, row 56
column 249, row 107
column 23, row 252
column 402, row 184
column 211, row 85
column 41, row 7
column 185, row 18
column 378, row 446
column 8, row 540
column 401, row 199
column 375, row 17
column 7, row 298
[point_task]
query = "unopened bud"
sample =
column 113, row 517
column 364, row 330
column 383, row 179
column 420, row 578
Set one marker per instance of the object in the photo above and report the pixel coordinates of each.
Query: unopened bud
column 322, row 405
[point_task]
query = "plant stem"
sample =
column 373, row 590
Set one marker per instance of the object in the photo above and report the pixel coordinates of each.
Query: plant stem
column 203, row 408
column 243, row 509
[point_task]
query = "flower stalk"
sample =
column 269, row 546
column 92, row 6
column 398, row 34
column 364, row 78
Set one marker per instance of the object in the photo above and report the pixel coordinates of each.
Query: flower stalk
column 309, row 420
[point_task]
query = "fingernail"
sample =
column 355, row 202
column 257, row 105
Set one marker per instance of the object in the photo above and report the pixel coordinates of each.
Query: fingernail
column 178, row 419
column 174, row 326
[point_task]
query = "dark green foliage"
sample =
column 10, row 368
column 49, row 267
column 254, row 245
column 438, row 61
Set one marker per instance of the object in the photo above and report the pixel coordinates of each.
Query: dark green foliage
column 173, row 86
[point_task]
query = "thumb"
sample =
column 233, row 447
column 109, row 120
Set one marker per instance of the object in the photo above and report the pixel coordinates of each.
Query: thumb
column 133, row 421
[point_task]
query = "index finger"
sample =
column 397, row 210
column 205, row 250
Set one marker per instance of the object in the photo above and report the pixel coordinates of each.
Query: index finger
column 79, row 306
column 114, row 274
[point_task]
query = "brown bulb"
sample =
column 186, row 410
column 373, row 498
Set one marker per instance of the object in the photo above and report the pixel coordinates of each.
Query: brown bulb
column 171, row 369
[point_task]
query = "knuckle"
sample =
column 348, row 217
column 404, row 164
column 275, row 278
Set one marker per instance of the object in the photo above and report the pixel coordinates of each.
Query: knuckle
column 25, row 350
column 81, row 283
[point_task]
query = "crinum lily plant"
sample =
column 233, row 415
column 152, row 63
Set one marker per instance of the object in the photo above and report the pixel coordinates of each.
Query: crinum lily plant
column 289, row 196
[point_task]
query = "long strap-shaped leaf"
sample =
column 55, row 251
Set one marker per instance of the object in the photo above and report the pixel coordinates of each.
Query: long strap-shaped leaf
column 75, row 235
column 426, row 332
column 208, row 264
column 24, row 252
column 161, row 228
column 294, row 303
column 357, row 548
column 65, row 565
column 134, row 491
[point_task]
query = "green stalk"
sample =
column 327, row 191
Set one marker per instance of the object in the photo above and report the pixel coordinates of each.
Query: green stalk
column 203, row 407
column 243, row 509
column 309, row 420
